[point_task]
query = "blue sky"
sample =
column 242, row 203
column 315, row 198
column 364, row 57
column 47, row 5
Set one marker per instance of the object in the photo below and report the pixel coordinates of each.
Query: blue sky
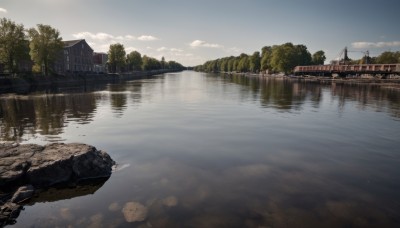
column 192, row 32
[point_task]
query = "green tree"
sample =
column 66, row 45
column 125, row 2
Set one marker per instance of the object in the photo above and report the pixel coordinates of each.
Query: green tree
column 150, row 63
column 45, row 47
column 286, row 56
column 266, row 58
column 255, row 62
column 116, row 57
column 13, row 45
column 387, row 57
column 244, row 63
column 134, row 61
column 318, row 58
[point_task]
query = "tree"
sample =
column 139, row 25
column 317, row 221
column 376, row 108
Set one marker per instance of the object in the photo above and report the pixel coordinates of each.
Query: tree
column 387, row 57
column 318, row 58
column 13, row 45
column 150, row 63
column 286, row 56
column 45, row 47
column 134, row 61
column 266, row 58
column 255, row 62
column 116, row 57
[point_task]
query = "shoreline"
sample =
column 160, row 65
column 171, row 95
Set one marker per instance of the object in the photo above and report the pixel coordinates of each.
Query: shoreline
column 26, row 84
column 390, row 83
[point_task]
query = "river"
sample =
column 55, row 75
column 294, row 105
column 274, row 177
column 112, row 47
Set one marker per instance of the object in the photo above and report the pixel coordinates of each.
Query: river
column 206, row 150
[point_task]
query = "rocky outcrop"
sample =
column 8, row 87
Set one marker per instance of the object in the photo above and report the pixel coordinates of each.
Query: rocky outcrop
column 43, row 166
column 26, row 168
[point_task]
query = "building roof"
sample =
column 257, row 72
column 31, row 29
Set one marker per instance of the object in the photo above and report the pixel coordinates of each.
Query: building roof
column 70, row 43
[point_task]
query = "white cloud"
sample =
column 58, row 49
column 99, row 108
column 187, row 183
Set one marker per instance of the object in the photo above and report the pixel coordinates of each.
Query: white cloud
column 375, row 44
column 201, row 43
column 169, row 49
column 2, row 10
column 97, row 36
column 162, row 49
column 147, row 38
column 102, row 36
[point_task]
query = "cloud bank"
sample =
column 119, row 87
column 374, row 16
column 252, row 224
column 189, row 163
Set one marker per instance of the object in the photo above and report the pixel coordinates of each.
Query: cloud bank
column 375, row 44
column 2, row 10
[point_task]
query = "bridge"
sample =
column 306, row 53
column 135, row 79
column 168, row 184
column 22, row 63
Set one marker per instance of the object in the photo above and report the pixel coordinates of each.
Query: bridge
column 344, row 70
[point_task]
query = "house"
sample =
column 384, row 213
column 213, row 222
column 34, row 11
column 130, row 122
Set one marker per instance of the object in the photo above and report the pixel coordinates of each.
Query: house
column 100, row 62
column 77, row 57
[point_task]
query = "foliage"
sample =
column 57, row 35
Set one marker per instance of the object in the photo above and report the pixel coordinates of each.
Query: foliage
column 134, row 61
column 150, row 63
column 286, row 56
column 13, row 45
column 266, row 58
column 318, row 58
column 280, row 58
column 388, row 58
column 255, row 62
column 45, row 46
column 116, row 57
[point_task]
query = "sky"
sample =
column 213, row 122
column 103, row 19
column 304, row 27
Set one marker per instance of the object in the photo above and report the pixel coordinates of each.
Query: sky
column 192, row 32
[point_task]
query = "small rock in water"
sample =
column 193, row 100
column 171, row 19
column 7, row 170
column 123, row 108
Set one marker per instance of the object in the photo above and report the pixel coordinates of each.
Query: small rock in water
column 170, row 201
column 134, row 212
column 114, row 207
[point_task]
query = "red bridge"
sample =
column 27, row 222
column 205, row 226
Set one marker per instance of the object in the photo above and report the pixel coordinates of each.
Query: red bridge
column 343, row 70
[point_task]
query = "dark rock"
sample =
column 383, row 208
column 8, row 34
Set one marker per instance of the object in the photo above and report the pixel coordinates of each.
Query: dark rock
column 23, row 193
column 35, row 166
column 9, row 212
column 52, row 164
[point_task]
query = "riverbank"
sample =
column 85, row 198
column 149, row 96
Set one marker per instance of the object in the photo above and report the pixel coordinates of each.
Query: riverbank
column 28, row 83
column 389, row 83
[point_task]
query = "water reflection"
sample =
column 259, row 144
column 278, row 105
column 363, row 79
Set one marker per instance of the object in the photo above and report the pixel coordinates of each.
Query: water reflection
column 22, row 117
column 55, row 194
column 287, row 94
column 48, row 114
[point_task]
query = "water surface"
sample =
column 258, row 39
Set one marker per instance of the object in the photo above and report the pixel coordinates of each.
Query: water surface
column 204, row 150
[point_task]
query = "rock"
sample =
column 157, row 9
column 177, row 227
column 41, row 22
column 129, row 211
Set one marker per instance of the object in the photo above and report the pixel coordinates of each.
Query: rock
column 134, row 212
column 9, row 212
column 170, row 201
column 23, row 193
column 43, row 166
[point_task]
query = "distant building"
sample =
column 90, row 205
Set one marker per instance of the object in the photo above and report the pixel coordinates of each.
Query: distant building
column 100, row 62
column 77, row 57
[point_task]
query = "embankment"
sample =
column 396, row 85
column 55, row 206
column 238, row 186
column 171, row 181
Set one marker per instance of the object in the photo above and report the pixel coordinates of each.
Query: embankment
column 28, row 83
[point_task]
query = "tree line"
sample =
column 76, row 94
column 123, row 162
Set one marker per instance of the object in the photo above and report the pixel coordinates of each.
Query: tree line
column 387, row 57
column 42, row 45
column 276, row 58
column 284, row 58
column 119, row 61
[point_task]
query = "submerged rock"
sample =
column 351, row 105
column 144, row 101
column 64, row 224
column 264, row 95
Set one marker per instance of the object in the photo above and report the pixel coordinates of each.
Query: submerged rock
column 134, row 212
column 170, row 201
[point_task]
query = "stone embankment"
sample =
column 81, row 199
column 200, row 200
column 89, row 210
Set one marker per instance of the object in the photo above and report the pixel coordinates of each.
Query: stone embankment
column 24, row 169
column 28, row 83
